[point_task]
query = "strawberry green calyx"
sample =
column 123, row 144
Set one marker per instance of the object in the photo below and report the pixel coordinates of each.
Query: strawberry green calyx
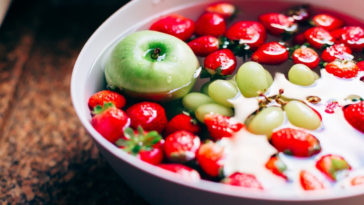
column 338, row 165
column 221, row 172
column 138, row 141
column 239, row 49
column 316, row 148
column 276, row 166
column 280, row 165
column 100, row 109
column 354, row 99
column 214, row 74
column 224, row 42
column 331, row 165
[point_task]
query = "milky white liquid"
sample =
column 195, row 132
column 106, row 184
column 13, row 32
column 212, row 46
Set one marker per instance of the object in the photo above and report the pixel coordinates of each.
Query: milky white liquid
column 248, row 153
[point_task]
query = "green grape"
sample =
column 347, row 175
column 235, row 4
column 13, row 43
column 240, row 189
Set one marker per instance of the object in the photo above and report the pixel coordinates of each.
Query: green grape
column 316, row 75
column 205, row 87
column 222, row 90
column 193, row 100
column 252, row 78
column 300, row 74
column 266, row 120
column 301, row 115
column 202, row 110
column 233, row 80
column 269, row 77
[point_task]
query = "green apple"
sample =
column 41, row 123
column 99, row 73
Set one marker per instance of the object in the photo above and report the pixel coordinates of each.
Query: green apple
column 152, row 65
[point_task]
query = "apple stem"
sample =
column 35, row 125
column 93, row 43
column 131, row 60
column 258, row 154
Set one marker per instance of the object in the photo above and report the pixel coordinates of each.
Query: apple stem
column 156, row 53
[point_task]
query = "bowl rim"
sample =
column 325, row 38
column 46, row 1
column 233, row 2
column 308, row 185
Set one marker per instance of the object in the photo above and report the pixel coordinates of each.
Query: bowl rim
column 202, row 185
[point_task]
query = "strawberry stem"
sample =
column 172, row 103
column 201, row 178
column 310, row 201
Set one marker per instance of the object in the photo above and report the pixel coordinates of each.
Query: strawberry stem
column 99, row 109
column 135, row 142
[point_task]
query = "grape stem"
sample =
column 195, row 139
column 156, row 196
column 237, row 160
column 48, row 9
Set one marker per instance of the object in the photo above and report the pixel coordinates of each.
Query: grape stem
column 267, row 100
column 279, row 99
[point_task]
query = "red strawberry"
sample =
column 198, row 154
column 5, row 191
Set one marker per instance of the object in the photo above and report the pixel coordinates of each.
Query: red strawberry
column 295, row 142
column 277, row 166
column 175, row 25
column 337, row 34
column 152, row 156
column 220, row 126
column 210, row 158
column 306, row 56
column 221, row 62
column 277, row 23
column 185, row 172
column 149, row 115
column 354, row 114
column 299, row 39
column 106, row 96
column 181, row 146
column 358, row 180
column 336, row 51
column 330, row 164
column 182, row 122
column 299, row 13
column 243, row 180
column 146, row 145
column 310, row 182
column 224, row 9
column 270, row 53
column 250, row 33
column 327, row 21
column 109, row 121
column 352, row 36
column 318, row 37
column 204, row 45
column 360, row 65
column 342, row 69
column 331, row 106
column 210, row 24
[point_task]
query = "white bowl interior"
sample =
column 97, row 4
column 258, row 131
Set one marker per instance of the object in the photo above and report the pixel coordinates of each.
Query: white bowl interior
column 87, row 77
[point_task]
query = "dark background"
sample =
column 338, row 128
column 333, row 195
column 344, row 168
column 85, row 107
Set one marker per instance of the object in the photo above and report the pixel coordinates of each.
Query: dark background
column 46, row 156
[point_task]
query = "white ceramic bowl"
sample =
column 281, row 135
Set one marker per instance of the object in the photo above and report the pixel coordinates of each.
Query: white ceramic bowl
column 159, row 186
column 4, row 5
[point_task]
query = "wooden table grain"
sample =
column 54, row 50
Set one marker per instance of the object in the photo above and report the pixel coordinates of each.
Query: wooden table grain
column 46, row 156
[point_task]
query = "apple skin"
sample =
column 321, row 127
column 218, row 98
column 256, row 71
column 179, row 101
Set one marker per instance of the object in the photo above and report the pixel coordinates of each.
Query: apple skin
column 132, row 68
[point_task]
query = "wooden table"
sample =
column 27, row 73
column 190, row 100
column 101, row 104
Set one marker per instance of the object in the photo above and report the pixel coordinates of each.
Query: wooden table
column 46, row 156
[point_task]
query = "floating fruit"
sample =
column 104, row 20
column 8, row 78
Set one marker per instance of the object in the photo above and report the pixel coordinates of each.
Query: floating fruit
column 252, row 79
column 300, row 74
column 146, row 58
column 266, row 120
